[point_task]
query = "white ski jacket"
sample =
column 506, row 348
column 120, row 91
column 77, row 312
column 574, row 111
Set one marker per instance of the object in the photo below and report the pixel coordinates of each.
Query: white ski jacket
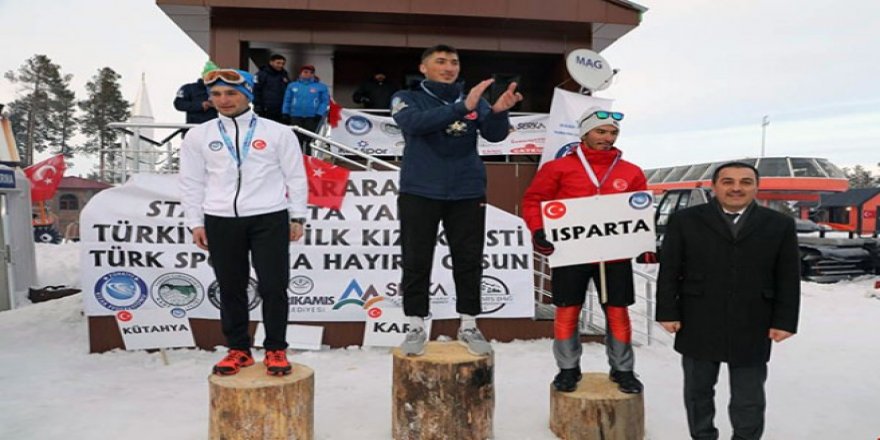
column 271, row 176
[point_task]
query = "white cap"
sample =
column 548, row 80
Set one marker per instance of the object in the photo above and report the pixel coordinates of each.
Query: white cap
column 588, row 122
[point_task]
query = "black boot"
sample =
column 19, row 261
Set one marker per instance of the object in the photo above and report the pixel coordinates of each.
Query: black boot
column 626, row 382
column 567, row 379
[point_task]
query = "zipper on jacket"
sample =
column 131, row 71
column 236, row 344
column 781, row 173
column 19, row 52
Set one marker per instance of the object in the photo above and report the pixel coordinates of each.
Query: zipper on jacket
column 238, row 169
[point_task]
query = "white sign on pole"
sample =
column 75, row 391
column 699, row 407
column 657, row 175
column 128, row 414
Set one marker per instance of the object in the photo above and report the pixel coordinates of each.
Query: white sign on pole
column 387, row 327
column 562, row 130
column 600, row 228
column 299, row 337
column 154, row 328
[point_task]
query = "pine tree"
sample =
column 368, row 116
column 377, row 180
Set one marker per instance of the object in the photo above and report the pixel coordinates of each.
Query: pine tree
column 859, row 177
column 42, row 114
column 104, row 104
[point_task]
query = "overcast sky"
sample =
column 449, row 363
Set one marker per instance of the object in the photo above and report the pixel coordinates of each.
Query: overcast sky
column 695, row 77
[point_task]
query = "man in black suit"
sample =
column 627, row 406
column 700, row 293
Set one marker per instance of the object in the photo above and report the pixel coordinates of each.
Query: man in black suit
column 728, row 285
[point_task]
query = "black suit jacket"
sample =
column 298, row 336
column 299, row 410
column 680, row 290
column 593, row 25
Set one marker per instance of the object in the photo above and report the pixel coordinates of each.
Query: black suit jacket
column 729, row 291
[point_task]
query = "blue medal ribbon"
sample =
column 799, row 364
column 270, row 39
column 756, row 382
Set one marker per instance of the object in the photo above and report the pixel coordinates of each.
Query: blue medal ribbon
column 246, row 147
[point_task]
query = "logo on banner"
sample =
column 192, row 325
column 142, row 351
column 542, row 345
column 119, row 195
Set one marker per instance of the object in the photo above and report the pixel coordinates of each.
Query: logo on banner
column 494, row 294
column 121, row 291
column 566, row 149
column 358, row 125
column 253, row 298
column 178, row 312
column 124, row 316
column 177, row 290
column 640, row 200
column 527, row 149
column 391, row 129
column 554, row 210
column 354, row 294
column 258, row 144
column 215, row 146
column 300, row 285
column 531, row 126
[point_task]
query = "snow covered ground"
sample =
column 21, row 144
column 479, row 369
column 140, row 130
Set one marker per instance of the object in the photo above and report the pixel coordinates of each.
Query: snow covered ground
column 824, row 383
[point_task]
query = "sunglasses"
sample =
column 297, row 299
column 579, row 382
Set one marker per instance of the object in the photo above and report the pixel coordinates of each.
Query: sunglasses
column 601, row 114
column 229, row 76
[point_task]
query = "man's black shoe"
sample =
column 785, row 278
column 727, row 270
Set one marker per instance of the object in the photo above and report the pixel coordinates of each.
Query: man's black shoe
column 567, row 379
column 626, row 382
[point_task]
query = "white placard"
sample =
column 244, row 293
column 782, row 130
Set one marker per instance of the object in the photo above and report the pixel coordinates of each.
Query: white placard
column 600, row 228
column 299, row 337
column 387, row 327
column 154, row 328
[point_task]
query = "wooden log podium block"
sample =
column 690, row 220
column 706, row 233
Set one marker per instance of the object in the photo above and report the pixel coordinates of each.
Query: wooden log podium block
column 597, row 410
column 447, row 393
column 253, row 405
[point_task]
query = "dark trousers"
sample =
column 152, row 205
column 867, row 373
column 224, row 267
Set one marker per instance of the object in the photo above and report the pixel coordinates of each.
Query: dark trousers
column 464, row 222
column 747, row 401
column 232, row 242
column 310, row 124
column 273, row 114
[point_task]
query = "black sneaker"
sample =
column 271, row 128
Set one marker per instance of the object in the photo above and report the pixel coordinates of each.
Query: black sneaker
column 626, row 382
column 567, row 379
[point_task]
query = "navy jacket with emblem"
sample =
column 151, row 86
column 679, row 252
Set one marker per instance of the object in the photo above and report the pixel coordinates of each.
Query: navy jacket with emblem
column 440, row 159
column 269, row 89
column 189, row 99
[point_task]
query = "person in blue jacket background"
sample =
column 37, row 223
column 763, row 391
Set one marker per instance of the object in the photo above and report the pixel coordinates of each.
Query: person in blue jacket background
column 442, row 178
column 306, row 102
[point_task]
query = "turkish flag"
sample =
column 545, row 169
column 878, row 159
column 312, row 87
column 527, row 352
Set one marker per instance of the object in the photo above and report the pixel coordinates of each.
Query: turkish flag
column 326, row 183
column 334, row 115
column 45, row 177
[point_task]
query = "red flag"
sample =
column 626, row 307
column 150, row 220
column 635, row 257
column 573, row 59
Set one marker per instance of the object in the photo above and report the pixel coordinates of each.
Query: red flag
column 326, row 183
column 45, row 177
column 334, row 115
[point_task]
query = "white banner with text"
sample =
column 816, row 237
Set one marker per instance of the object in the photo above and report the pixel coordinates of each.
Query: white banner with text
column 136, row 253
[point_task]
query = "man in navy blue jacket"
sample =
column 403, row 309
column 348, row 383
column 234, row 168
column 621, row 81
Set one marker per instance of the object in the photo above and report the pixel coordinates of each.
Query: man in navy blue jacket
column 270, row 87
column 193, row 99
column 442, row 178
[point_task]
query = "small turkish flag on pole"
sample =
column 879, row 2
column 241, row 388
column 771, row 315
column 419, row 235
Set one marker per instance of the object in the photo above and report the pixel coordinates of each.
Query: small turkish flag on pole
column 326, row 183
column 45, row 177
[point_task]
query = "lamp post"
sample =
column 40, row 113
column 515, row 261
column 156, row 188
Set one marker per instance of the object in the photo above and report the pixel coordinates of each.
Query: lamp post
column 764, row 123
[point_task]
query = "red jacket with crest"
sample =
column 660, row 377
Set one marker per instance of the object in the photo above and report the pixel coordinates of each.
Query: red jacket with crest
column 566, row 178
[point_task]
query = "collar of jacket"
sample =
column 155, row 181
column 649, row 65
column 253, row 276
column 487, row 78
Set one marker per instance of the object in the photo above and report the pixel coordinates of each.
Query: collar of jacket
column 244, row 118
column 444, row 91
column 600, row 157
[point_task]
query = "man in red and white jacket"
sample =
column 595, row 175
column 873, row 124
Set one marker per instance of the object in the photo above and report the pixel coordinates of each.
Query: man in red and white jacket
column 595, row 167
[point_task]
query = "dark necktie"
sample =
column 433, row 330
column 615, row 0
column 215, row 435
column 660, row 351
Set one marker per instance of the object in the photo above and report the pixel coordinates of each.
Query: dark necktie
column 732, row 216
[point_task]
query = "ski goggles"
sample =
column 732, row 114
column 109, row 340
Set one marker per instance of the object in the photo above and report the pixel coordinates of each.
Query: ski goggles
column 229, row 76
column 602, row 114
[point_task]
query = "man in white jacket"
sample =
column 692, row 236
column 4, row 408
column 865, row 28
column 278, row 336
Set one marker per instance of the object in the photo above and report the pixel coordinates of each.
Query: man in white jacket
column 244, row 193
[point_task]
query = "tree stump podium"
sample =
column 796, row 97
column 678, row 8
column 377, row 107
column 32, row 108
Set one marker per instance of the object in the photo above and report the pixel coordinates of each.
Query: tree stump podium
column 447, row 393
column 597, row 410
column 253, row 405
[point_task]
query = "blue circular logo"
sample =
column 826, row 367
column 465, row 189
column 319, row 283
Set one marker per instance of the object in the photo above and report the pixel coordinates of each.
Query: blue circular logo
column 566, row 149
column 178, row 312
column 358, row 125
column 121, row 291
column 640, row 200
column 216, row 146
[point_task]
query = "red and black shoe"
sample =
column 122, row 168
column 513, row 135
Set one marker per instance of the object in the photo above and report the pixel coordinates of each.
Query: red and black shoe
column 233, row 362
column 276, row 363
